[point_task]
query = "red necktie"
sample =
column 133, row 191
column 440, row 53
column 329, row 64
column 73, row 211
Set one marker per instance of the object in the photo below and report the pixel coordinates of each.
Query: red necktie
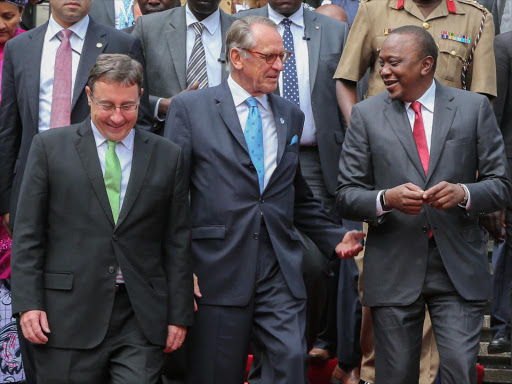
column 61, row 97
column 419, row 136
column 421, row 141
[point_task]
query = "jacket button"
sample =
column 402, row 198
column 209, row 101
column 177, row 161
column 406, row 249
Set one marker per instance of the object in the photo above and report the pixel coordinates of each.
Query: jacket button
column 424, row 229
column 115, row 238
column 251, row 168
column 111, row 269
column 261, row 201
column 255, row 236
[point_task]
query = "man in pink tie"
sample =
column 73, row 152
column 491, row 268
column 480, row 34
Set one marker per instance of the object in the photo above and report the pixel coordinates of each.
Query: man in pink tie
column 420, row 163
column 43, row 86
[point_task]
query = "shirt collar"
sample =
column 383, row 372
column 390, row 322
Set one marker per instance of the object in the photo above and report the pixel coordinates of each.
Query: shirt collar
column 427, row 99
column 79, row 28
column 100, row 139
column 240, row 95
column 297, row 18
column 211, row 23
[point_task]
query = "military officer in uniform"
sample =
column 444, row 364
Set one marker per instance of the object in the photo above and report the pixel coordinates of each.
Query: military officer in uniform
column 464, row 33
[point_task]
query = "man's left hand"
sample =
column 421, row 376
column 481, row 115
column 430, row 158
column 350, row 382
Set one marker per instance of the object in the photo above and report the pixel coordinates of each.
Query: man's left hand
column 350, row 246
column 444, row 195
column 175, row 337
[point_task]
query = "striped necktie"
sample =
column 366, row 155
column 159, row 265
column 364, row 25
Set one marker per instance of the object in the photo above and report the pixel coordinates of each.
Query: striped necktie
column 196, row 71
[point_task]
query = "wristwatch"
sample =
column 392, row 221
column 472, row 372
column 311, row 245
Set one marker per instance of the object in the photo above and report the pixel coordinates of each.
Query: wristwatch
column 383, row 201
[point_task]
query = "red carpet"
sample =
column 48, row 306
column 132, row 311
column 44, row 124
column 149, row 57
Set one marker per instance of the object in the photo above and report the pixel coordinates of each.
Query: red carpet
column 321, row 374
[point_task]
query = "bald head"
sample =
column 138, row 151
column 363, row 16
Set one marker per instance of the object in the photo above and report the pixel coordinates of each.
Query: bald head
column 333, row 11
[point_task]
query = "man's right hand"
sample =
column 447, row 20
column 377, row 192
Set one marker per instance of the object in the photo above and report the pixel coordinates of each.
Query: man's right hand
column 5, row 224
column 164, row 104
column 407, row 198
column 33, row 324
column 197, row 291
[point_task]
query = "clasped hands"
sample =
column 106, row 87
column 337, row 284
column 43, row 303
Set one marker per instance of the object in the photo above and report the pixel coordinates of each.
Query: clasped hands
column 409, row 198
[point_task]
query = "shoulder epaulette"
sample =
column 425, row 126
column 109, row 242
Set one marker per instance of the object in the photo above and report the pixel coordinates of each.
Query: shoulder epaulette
column 475, row 4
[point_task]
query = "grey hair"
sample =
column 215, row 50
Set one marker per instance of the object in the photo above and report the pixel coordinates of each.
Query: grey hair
column 240, row 36
column 116, row 68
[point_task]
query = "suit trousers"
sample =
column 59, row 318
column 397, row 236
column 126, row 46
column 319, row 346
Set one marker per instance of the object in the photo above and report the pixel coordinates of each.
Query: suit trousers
column 274, row 320
column 123, row 357
column 456, row 322
column 429, row 358
column 501, row 282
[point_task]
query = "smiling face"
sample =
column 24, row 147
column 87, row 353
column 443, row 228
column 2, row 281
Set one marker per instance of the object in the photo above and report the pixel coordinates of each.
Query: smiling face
column 114, row 125
column 406, row 75
column 253, row 73
column 9, row 19
column 68, row 12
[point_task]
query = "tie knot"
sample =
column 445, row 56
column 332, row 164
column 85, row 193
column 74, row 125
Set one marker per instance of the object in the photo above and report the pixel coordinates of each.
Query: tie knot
column 416, row 107
column 66, row 34
column 198, row 28
column 286, row 22
column 111, row 144
column 251, row 102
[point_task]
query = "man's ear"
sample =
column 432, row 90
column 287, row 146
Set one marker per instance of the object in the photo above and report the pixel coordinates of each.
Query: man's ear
column 88, row 91
column 427, row 65
column 235, row 56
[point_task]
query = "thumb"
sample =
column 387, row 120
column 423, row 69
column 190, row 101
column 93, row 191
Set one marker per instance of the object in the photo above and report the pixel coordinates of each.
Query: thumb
column 43, row 320
column 197, row 291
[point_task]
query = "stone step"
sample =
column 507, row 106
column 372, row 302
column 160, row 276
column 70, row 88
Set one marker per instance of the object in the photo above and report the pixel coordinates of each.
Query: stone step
column 500, row 360
column 497, row 376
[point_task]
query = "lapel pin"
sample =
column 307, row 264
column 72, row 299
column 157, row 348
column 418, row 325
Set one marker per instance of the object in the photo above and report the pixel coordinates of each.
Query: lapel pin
column 99, row 45
column 317, row 27
column 281, row 120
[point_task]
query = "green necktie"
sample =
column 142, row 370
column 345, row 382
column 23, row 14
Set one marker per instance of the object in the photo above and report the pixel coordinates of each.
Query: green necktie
column 113, row 178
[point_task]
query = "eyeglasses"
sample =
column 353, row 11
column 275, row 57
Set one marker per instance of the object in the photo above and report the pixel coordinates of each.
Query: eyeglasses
column 125, row 108
column 270, row 58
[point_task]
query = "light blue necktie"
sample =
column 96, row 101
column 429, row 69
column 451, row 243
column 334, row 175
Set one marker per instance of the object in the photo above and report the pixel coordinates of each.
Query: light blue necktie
column 290, row 80
column 254, row 139
column 126, row 19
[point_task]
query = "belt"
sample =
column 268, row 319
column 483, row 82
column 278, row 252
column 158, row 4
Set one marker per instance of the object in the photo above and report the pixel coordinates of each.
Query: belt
column 309, row 148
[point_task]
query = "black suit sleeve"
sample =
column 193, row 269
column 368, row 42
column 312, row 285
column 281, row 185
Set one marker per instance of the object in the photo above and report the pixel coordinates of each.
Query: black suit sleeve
column 10, row 131
column 29, row 240
column 503, row 74
column 145, row 118
column 177, row 252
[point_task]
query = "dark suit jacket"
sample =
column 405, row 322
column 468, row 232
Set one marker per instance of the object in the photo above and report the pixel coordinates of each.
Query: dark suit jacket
column 103, row 12
column 164, row 37
column 503, row 102
column 226, row 205
column 379, row 152
column 67, row 248
column 326, row 41
column 19, row 112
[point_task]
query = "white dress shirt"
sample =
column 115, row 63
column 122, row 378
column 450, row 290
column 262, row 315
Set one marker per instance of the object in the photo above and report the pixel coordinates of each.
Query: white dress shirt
column 50, row 46
column 267, row 122
column 212, row 43
column 427, row 101
column 124, row 152
column 300, row 47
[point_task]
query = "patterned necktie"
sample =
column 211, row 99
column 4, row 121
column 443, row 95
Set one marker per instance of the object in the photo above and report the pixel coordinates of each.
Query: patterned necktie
column 61, row 96
column 126, row 18
column 254, row 139
column 112, row 179
column 419, row 136
column 290, row 80
column 196, row 71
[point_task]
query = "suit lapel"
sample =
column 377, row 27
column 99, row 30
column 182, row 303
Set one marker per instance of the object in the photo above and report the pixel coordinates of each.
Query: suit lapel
column 444, row 113
column 399, row 123
column 33, row 74
column 315, row 35
column 281, row 125
column 94, row 44
column 86, row 147
column 176, row 40
column 227, row 111
column 140, row 163
column 225, row 23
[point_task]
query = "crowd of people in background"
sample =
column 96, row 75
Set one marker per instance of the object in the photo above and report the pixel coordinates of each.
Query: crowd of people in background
column 320, row 181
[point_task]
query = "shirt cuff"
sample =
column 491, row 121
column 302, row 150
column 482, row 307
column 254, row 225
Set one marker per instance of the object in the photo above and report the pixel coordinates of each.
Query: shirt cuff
column 467, row 206
column 155, row 113
column 380, row 211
